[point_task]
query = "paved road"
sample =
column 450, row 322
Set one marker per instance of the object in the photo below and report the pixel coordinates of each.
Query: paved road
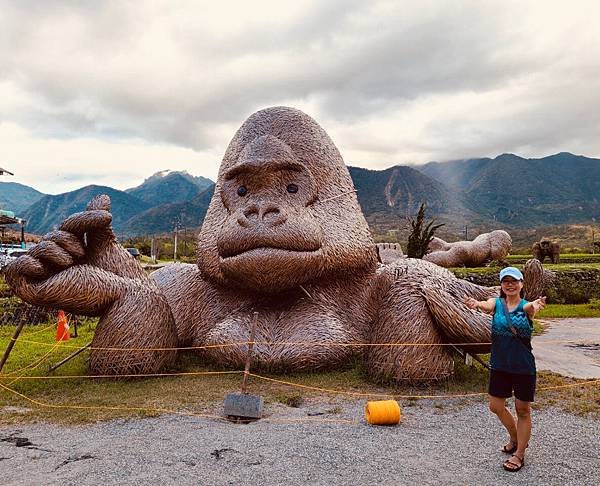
column 580, row 358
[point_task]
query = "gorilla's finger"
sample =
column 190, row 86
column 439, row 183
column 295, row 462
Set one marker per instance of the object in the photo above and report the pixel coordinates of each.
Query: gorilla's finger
column 50, row 252
column 85, row 221
column 25, row 266
column 102, row 201
column 67, row 241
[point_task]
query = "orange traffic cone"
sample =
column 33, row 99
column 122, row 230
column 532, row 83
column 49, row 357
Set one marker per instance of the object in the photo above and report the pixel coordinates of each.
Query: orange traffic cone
column 62, row 330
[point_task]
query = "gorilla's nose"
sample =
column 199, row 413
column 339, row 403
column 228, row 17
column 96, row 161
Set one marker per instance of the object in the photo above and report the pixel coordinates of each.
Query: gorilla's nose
column 267, row 215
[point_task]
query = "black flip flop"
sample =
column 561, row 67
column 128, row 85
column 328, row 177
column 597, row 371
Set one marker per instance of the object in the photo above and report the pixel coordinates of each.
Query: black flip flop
column 513, row 467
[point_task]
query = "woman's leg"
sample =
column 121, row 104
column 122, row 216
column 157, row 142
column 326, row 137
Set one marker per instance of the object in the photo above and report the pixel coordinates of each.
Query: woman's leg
column 498, row 406
column 523, row 410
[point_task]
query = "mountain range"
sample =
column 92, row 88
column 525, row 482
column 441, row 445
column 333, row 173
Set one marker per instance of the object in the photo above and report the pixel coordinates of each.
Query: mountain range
column 507, row 191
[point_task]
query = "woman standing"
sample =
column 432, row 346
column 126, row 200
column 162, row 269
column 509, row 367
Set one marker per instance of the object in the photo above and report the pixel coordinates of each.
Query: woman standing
column 512, row 365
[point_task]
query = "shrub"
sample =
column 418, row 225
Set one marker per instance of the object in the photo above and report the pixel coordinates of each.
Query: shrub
column 420, row 237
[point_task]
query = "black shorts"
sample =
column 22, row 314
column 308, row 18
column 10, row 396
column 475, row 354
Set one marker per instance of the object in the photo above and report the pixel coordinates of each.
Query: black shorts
column 502, row 385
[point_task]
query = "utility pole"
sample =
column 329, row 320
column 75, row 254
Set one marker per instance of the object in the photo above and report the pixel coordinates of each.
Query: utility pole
column 466, row 233
column 23, row 244
column 175, row 246
column 176, row 230
column 153, row 252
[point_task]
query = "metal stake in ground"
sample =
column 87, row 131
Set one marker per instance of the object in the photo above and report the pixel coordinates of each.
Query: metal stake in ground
column 242, row 406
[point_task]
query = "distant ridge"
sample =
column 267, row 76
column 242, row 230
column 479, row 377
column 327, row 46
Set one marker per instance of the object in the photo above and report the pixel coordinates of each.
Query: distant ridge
column 505, row 192
column 17, row 197
column 162, row 219
column 48, row 212
column 558, row 189
column 169, row 187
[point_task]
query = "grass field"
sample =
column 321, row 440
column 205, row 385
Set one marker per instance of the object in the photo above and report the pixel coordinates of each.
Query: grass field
column 107, row 398
column 571, row 310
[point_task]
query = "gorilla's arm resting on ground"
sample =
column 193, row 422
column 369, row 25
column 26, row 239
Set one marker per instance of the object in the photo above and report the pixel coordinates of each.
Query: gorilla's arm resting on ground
column 82, row 269
column 420, row 313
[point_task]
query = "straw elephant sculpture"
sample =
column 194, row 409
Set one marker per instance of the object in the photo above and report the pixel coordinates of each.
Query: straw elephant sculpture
column 284, row 236
column 486, row 247
column 546, row 248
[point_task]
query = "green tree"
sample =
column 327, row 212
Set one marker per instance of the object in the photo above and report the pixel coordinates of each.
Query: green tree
column 420, row 236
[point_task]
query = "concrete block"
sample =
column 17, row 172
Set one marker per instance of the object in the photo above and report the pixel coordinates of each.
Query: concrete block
column 243, row 406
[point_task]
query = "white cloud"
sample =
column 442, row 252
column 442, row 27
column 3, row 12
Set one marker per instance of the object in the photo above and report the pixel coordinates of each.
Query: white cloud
column 54, row 165
column 158, row 84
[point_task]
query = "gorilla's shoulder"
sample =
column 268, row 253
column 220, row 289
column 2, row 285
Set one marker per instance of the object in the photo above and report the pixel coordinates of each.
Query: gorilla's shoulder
column 174, row 273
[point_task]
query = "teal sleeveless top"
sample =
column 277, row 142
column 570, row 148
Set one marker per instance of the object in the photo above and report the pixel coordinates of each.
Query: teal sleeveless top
column 511, row 353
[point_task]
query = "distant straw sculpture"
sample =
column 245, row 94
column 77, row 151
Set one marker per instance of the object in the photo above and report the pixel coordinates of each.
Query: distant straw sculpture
column 389, row 252
column 486, row 247
column 283, row 236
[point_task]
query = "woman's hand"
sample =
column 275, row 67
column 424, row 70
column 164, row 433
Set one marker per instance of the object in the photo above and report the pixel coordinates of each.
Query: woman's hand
column 471, row 303
column 538, row 304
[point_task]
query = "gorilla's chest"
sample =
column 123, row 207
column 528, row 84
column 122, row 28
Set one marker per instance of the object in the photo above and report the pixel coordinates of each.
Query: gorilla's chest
column 311, row 336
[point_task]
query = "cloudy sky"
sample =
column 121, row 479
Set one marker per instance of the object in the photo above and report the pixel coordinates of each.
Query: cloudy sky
column 109, row 92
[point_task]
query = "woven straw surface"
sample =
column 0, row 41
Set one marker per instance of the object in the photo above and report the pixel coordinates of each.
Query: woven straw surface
column 486, row 247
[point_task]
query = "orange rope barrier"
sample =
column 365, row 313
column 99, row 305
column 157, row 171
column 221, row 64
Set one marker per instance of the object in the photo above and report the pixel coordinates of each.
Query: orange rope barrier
column 146, row 375
column 303, row 343
column 33, row 365
column 392, row 395
column 101, row 407
column 98, row 348
column 164, row 410
column 360, row 394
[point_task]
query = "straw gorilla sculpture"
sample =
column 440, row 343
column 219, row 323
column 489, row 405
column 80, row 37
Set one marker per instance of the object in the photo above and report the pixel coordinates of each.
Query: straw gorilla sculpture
column 486, row 247
column 284, row 235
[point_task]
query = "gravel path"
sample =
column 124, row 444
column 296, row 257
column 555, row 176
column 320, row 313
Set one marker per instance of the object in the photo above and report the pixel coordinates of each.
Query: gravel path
column 437, row 443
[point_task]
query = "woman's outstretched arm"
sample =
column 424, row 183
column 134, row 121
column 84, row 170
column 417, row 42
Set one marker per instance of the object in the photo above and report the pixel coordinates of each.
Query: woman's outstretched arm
column 482, row 305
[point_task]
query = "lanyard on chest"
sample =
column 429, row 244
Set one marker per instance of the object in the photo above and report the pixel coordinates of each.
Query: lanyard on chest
column 510, row 325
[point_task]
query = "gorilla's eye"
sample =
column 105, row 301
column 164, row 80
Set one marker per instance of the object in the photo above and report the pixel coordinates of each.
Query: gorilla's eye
column 242, row 191
column 292, row 188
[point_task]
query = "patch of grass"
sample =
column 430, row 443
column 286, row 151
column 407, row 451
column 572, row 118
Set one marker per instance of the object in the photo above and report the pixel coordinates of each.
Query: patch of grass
column 565, row 258
column 204, row 394
column 293, row 399
column 462, row 272
column 571, row 310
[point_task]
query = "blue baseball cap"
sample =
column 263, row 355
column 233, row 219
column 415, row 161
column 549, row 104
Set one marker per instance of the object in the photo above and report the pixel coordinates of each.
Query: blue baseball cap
column 511, row 272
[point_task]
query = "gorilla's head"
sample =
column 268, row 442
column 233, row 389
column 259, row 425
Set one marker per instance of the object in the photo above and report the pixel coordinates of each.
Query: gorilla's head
column 284, row 211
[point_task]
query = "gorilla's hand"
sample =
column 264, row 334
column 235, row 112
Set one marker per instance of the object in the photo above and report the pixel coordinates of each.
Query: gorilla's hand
column 80, row 268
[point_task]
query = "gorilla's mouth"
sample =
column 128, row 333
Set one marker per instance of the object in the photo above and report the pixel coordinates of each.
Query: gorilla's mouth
column 272, row 269
column 270, row 251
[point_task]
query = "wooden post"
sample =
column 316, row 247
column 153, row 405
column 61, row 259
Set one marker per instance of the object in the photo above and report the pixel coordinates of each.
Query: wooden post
column 250, row 349
column 11, row 343
column 463, row 354
column 69, row 358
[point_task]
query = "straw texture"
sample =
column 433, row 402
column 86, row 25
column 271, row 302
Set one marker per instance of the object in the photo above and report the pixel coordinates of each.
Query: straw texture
column 486, row 247
column 389, row 252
